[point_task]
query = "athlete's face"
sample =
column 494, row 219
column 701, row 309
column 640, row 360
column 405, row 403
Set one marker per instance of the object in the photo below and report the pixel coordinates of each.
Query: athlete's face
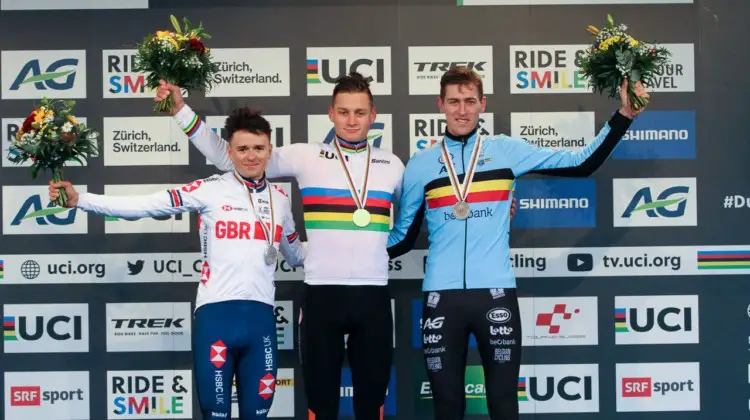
column 250, row 153
column 352, row 115
column 461, row 106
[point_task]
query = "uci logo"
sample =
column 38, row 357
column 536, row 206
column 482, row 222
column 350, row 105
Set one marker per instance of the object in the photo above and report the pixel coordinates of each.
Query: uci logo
column 498, row 315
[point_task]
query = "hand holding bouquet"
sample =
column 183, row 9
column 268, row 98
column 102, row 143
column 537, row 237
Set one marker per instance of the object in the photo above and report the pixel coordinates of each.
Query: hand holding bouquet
column 615, row 56
column 179, row 58
column 51, row 136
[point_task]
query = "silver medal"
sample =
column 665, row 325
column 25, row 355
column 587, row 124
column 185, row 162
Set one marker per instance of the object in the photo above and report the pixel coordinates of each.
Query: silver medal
column 461, row 210
column 270, row 255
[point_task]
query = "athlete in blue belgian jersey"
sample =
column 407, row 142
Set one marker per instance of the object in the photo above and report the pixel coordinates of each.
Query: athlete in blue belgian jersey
column 463, row 187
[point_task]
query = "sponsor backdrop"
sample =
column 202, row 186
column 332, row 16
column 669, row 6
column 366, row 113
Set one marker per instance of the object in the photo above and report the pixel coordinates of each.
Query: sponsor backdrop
column 633, row 301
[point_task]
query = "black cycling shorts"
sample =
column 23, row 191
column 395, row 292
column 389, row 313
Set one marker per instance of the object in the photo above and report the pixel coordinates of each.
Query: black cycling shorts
column 492, row 315
column 327, row 313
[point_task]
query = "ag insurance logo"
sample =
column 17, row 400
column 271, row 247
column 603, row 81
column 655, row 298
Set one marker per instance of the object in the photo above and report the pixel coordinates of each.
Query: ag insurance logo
column 45, row 73
column 640, row 202
column 656, row 319
column 46, row 328
column 558, row 389
column 27, row 211
column 325, row 64
column 658, row 387
column 47, row 395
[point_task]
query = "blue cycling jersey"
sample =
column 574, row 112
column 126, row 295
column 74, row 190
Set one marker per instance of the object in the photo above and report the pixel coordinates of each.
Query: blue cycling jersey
column 474, row 253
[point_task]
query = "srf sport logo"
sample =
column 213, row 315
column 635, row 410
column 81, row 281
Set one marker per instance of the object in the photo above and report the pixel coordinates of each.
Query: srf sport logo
column 46, row 73
column 642, row 202
column 325, row 64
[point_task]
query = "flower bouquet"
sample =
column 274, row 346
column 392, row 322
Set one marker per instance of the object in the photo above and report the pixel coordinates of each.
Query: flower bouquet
column 614, row 55
column 178, row 57
column 51, row 136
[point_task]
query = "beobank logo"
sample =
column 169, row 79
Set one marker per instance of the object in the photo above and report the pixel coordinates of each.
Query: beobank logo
column 658, row 387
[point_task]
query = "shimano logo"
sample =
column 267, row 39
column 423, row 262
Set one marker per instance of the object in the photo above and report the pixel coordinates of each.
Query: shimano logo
column 553, row 203
column 656, row 135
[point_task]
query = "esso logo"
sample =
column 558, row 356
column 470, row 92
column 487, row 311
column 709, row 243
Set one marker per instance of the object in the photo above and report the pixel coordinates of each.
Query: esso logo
column 498, row 315
column 226, row 207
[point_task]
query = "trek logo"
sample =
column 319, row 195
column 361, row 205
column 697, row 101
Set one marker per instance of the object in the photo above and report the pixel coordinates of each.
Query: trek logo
column 558, row 389
column 326, row 64
column 427, row 65
column 46, row 328
column 46, row 395
column 658, row 387
column 659, row 135
column 656, row 319
column 27, row 211
column 162, row 326
column 143, row 394
column 36, row 74
column 434, row 324
column 655, row 202
column 427, row 130
column 555, row 203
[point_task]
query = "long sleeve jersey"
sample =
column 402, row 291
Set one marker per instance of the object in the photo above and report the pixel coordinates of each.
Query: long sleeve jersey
column 338, row 251
column 474, row 253
column 232, row 239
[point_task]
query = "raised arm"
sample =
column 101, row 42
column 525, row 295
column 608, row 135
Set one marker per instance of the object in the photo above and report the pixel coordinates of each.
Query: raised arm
column 284, row 160
column 410, row 213
column 527, row 158
column 290, row 245
column 162, row 203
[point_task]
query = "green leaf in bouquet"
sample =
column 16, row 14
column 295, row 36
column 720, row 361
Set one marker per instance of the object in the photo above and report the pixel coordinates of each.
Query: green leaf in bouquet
column 610, row 21
column 635, row 75
column 176, row 24
column 186, row 22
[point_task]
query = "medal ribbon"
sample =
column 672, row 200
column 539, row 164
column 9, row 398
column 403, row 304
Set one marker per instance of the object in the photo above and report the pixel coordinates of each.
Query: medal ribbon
column 464, row 190
column 269, row 237
column 360, row 202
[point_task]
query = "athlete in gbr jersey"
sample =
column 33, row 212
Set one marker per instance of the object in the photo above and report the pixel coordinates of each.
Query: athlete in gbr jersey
column 463, row 187
column 347, row 189
column 244, row 222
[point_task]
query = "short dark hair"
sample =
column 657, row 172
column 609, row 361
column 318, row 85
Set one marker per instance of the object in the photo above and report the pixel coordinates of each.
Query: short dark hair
column 461, row 75
column 248, row 119
column 352, row 83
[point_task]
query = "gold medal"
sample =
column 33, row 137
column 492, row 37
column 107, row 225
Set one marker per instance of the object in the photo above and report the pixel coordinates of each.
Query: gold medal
column 361, row 217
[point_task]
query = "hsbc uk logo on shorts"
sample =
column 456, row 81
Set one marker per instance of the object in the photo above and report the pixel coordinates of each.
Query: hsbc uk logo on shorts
column 656, row 320
column 658, row 387
column 46, row 395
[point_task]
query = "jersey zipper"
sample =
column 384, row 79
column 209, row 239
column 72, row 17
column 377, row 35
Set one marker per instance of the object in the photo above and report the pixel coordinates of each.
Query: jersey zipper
column 466, row 222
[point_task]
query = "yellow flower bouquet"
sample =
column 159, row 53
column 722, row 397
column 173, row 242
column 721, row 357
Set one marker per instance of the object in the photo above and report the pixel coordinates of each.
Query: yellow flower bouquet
column 614, row 55
column 179, row 57
column 51, row 136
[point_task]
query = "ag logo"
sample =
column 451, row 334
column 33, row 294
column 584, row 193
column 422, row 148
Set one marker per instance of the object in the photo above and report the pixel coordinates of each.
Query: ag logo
column 655, row 202
column 27, row 211
column 34, row 74
column 191, row 186
column 434, row 324
column 499, row 315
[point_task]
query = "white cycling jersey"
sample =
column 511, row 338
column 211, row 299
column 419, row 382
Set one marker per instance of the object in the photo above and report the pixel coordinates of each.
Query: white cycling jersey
column 338, row 251
column 232, row 239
